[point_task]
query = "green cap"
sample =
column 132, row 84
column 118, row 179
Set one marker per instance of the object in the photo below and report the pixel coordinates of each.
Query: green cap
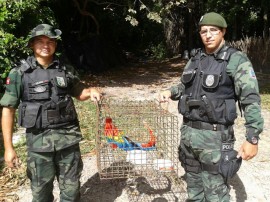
column 214, row 19
column 46, row 30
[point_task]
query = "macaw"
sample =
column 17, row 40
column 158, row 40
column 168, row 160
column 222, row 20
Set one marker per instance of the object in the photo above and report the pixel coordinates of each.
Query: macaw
column 117, row 139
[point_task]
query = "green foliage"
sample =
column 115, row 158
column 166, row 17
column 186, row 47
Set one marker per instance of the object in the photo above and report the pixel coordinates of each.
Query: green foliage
column 154, row 10
column 158, row 51
column 17, row 18
column 243, row 18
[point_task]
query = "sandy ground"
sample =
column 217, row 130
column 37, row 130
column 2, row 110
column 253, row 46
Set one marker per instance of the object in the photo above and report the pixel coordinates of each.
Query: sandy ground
column 250, row 184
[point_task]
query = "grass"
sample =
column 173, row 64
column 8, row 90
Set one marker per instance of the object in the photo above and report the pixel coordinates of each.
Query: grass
column 11, row 179
column 265, row 96
column 87, row 113
column 265, row 101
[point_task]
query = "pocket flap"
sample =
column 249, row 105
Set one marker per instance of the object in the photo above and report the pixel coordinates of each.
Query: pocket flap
column 30, row 114
column 188, row 76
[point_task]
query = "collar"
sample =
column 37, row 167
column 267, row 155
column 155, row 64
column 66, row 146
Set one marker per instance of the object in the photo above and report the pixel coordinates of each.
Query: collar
column 215, row 53
column 32, row 61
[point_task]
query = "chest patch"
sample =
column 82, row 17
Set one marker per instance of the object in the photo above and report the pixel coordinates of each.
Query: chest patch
column 60, row 81
column 40, row 89
column 209, row 80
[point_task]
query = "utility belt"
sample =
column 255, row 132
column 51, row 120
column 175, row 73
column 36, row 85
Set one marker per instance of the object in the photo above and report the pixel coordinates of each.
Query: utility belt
column 203, row 125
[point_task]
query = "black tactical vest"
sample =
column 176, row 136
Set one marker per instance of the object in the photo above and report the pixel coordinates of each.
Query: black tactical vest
column 45, row 100
column 209, row 92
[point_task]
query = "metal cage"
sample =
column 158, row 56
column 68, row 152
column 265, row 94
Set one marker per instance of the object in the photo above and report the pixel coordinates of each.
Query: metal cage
column 136, row 138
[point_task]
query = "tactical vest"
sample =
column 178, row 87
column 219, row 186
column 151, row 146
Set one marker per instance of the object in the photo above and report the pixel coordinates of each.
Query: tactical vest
column 209, row 92
column 45, row 100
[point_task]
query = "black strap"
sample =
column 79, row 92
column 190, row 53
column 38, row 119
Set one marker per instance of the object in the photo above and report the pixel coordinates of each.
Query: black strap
column 210, row 168
column 183, row 104
column 204, row 125
column 24, row 66
column 192, row 165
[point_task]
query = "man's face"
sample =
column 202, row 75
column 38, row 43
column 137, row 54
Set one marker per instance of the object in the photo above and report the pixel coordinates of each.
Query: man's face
column 211, row 37
column 43, row 46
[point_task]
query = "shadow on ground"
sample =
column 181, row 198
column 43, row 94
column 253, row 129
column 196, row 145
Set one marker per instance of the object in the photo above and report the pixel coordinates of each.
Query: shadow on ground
column 96, row 190
column 137, row 189
column 239, row 187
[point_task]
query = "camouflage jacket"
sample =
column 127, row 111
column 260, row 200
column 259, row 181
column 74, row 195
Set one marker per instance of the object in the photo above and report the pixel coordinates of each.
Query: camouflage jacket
column 240, row 69
column 43, row 140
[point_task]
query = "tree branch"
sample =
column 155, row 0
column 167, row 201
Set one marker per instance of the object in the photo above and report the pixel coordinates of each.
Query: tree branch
column 84, row 12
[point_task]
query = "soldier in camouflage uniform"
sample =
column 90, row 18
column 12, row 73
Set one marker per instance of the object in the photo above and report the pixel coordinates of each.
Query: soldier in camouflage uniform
column 213, row 80
column 42, row 87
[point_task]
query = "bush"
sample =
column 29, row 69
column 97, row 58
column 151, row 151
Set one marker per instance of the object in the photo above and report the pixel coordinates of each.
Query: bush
column 17, row 18
column 258, row 51
column 159, row 51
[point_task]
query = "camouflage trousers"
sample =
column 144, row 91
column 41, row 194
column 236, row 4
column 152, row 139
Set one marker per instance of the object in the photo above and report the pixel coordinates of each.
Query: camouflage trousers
column 66, row 165
column 205, row 147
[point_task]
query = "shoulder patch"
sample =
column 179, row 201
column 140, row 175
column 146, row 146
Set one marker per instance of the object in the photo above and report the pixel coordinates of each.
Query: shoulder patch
column 252, row 74
column 7, row 81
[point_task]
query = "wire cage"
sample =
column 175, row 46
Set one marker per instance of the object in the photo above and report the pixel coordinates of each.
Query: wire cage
column 135, row 139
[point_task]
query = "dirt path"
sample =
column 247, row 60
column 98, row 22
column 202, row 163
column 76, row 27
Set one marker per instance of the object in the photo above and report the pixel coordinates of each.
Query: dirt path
column 144, row 81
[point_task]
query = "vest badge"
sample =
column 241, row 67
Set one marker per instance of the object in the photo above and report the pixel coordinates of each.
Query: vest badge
column 209, row 80
column 60, row 81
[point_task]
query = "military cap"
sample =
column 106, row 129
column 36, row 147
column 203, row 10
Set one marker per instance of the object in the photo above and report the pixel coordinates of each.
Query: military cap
column 46, row 30
column 214, row 19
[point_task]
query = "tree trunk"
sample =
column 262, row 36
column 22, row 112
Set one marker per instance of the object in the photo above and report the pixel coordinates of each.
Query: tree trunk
column 266, row 15
column 176, row 39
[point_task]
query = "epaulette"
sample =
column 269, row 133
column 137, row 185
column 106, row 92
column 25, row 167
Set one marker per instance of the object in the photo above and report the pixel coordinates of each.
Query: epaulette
column 225, row 53
column 194, row 54
column 24, row 66
column 61, row 65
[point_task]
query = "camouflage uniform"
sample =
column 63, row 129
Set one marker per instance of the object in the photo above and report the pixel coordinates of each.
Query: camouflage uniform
column 205, row 145
column 51, row 152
